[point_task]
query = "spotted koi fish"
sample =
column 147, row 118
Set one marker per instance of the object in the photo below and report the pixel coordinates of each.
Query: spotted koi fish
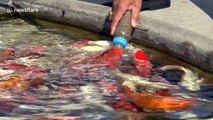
column 133, row 82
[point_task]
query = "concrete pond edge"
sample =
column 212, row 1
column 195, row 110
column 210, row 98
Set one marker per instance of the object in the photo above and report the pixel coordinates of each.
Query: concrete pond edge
column 191, row 47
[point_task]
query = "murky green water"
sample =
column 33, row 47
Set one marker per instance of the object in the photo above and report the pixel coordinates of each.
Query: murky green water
column 64, row 91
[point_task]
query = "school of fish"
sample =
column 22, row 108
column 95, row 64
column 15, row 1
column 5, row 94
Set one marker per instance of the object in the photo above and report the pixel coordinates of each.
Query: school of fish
column 134, row 89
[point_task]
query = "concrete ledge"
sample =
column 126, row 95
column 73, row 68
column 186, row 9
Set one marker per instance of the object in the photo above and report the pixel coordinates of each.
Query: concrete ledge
column 6, row 11
column 184, row 44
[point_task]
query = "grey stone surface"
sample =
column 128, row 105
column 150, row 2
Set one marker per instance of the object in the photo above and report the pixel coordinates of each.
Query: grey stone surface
column 4, row 1
column 179, row 30
column 188, row 15
column 75, row 12
column 180, row 42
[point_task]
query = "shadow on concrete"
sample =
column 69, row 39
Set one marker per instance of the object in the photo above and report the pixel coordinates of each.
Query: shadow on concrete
column 205, row 5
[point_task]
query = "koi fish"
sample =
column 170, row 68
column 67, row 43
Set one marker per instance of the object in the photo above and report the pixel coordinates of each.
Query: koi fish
column 9, row 82
column 142, row 63
column 19, row 83
column 60, row 118
column 35, row 70
column 133, row 81
column 164, row 92
column 14, row 66
column 108, row 86
column 29, row 70
column 157, row 102
column 102, row 43
column 6, row 72
column 93, row 96
column 8, row 107
column 19, row 87
column 107, row 56
column 80, row 43
column 37, row 81
column 27, row 83
column 94, row 46
column 190, row 80
column 33, row 52
column 139, row 54
column 37, row 49
column 8, row 53
column 110, row 57
column 86, row 42
column 124, row 105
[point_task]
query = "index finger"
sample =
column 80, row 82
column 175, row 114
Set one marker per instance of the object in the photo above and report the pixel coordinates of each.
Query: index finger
column 117, row 15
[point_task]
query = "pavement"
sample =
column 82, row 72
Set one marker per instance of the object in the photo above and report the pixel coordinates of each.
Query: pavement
column 193, row 15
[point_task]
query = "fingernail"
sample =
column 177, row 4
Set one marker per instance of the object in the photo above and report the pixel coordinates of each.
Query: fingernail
column 112, row 32
column 134, row 24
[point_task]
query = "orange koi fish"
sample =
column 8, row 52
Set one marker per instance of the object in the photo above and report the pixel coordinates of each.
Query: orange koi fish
column 157, row 102
column 19, row 87
column 10, row 82
column 25, row 84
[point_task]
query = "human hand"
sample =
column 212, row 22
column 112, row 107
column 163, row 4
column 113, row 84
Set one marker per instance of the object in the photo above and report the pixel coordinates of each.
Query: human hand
column 120, row 7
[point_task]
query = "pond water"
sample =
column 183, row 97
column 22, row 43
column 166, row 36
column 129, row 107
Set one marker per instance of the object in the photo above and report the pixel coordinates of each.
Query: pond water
column 50, row 80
